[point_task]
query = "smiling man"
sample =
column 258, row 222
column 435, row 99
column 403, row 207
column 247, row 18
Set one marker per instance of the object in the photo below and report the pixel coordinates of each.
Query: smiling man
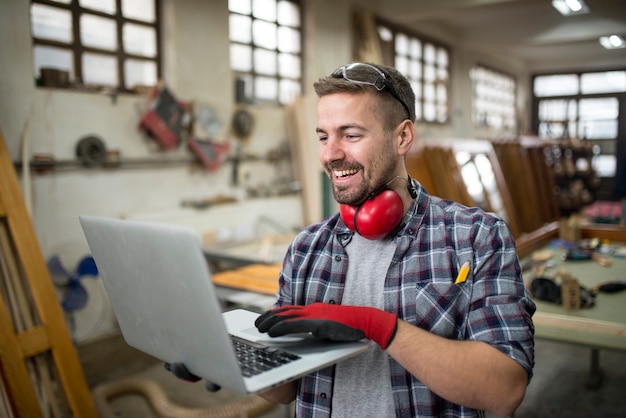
column 385, row 268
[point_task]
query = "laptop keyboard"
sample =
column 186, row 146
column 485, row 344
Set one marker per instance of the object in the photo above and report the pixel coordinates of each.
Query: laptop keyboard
column 256, row 358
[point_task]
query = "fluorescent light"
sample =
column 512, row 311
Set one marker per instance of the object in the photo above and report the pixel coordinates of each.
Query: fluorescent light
column 570, row 7
column 612, row 42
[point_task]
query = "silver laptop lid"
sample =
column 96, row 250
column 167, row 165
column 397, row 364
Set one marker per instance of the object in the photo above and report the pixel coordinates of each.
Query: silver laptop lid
column 158, row 282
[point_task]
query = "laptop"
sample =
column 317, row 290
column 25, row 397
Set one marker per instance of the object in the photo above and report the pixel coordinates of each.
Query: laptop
column 159, row 285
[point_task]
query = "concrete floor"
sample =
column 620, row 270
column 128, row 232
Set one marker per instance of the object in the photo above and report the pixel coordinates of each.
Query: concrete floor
column 558, row 388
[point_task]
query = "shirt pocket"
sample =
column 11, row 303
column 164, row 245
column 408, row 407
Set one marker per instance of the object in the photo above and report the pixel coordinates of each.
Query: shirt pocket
column 442, row 308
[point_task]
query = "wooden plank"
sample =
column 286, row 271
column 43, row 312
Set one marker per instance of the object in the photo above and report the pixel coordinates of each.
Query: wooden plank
column 580, row 324
column 33, row 341
column 261, row 278
column 15, row 378
column 37, row 278
column 610, row 232
column 417, row 168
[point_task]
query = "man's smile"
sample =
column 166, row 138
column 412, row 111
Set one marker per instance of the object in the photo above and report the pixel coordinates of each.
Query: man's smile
column 345, row 173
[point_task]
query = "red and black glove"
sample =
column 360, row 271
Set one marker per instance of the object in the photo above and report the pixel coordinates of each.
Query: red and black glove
column 333, row 322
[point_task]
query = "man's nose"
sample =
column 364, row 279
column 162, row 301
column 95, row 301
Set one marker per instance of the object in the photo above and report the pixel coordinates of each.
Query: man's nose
column 331, row 150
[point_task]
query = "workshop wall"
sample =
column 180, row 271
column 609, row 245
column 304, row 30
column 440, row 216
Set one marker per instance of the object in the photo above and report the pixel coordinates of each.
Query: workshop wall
column 49, row 123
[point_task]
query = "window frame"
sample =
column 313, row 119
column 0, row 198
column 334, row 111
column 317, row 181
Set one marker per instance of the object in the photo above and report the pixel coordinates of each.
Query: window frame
column 389, row 57
column 245, row 80
column 77, row 49
column 606, row 188
column 505, row 75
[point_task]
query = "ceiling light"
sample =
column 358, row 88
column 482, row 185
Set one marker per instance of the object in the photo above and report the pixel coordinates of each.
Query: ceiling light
column 570, row 7
column 612, row 42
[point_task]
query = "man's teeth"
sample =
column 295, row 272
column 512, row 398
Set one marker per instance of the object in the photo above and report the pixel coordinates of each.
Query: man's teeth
column 343, row 173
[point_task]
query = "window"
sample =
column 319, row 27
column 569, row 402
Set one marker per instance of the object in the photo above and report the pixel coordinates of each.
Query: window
column 584, row 106
column 266, row 49
column 96, row 43
column 426, row 64
column 493, row 99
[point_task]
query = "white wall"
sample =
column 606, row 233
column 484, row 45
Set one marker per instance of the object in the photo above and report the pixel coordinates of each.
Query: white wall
column 196, row 68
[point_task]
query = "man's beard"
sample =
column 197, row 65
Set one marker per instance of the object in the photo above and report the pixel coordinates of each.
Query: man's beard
column 356, row 195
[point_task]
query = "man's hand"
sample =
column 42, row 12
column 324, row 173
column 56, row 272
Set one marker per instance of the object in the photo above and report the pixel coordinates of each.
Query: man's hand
column 180, row 371
column 333, row 322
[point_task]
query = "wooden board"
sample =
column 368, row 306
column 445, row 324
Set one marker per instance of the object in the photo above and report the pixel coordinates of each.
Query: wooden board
column 36, row 351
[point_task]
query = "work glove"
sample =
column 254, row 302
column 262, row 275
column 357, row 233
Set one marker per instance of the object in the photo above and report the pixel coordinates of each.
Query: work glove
column 332, row 322
column 180, row 371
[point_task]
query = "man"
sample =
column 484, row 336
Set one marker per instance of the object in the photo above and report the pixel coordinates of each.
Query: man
column 441, row 348
column 446, row 340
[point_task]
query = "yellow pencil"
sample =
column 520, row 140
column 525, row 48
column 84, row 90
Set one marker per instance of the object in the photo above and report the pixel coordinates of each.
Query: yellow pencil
column 463, row 273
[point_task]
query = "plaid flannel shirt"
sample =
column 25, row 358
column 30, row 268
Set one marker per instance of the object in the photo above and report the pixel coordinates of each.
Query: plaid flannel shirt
column 434, row 239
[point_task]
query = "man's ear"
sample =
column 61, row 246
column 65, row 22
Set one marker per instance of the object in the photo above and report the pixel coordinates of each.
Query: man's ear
column 406, row 136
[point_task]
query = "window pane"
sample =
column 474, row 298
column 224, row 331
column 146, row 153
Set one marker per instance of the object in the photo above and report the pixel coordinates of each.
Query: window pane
column 442, row 93
column 51, row 23
column 240, row 6
column 239, row 28
column 266, row 88
column 265, row 62
column 99, row 69
column 442, row 112
column 104, row 6
column 402, row 44
column 264, row 9
column 429, row 112
column 50, row 57
column 415, row 48
column 429, row 72
column 289, row 89
column 556, row 85
column 599, row 108
column 415, row 70
column 140, row 73
column 288, row 14
column 289, row 66
column 417, row 89
column 473, row 184
column 288, row 40
column 442, row 74
column 557, row 109
column 143, row 10
column 418, row 110
column 402, row 64
column 442, row 57
column 598, row 129
column 429, row 53
column 98, row 32
column 264, row 34
column 429, row 92
column 606, row 82
column 241, row 57
column 139, row 40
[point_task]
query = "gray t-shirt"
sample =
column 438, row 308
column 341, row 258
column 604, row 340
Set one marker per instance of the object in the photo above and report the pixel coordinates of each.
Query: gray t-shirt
column 363, row 384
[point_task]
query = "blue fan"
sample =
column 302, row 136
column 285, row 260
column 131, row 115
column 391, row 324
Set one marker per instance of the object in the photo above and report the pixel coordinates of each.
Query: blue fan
column 75, row 297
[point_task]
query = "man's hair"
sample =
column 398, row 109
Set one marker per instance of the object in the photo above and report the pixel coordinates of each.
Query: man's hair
column 391, row 109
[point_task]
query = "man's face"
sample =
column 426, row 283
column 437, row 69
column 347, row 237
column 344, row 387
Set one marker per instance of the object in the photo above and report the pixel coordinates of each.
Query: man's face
column 356, row 153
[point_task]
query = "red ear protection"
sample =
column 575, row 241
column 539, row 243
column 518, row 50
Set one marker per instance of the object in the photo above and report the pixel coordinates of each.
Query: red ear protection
column 375, row 218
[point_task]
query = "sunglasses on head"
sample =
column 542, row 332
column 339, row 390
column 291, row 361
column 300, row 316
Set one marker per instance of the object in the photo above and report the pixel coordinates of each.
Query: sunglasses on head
column 361, row 73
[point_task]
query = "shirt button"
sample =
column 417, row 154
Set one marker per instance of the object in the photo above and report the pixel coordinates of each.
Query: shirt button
column 337, row 258
column 323, row 396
